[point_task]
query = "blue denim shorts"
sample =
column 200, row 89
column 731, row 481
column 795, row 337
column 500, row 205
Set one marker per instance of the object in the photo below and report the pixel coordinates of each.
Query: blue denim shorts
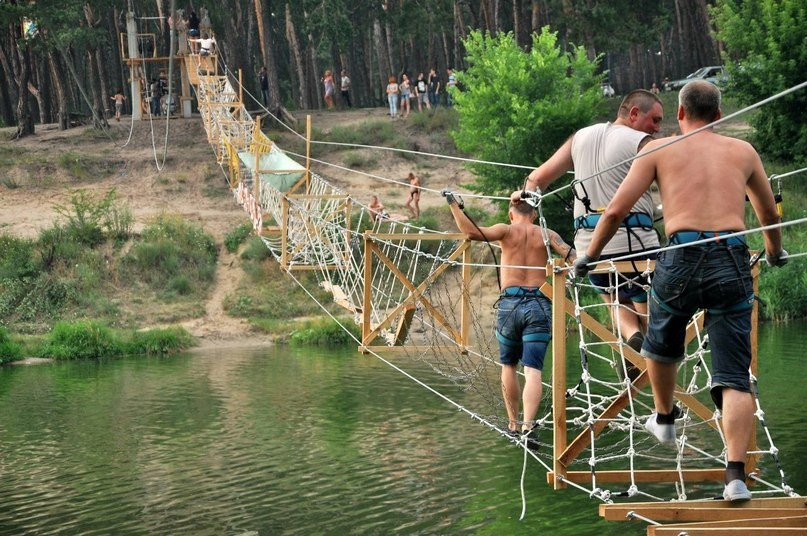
column 715, row 277
column 631, row 284
column 523, row 326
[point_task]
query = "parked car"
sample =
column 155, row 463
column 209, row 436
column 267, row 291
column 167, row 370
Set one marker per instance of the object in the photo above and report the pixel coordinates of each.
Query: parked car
column 607, row 90
column 713, row 73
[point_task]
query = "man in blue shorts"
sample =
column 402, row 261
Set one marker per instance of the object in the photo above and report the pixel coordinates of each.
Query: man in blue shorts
column 703, row 179
column 525, row 314
column 600, row 156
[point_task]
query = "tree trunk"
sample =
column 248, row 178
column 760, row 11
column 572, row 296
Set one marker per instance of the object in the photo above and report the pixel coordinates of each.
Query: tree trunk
column 25, row 120
column 268, row 55
column 98, row 116
column 384, row 67
column 297, row 58
column 261, row 38
column 40, row 102
column 61, row 100
column 316, row 75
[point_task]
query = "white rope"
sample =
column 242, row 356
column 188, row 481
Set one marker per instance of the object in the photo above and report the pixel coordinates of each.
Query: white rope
column 393, row 181
column 671, row 247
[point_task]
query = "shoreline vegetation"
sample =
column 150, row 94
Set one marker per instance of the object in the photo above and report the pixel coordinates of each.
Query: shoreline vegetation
column 103, row 281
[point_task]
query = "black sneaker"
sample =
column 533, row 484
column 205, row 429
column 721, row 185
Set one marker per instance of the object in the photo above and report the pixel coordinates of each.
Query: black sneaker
column 531, row 438
column 635, row 341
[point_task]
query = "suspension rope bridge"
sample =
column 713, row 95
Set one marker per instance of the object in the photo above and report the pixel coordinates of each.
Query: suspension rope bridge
column 421, row 294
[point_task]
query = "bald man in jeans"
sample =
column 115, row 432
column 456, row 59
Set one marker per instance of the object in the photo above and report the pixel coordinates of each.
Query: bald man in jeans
column 703, row 179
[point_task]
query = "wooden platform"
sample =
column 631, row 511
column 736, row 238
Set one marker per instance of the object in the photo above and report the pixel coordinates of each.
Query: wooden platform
column 771, row 516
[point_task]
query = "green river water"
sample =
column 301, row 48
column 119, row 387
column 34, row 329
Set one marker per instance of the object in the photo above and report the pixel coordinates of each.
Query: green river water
column 248, row 441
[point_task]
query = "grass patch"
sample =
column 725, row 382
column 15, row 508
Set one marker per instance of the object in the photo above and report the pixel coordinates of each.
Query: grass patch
column 9, row 350
column 160, row 341
column 9, row 183
column 81, row 340
column 374, row 132
column 325, row 331
column 237, row 236
column 173, row 257
column 93, row 340
column 358, row 160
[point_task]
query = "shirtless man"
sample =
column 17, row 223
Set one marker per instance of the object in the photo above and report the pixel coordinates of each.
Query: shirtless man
column 118, row 98
column 525, row 315
column 600, row 154
column 376, row 208
column 413, row 203
column 703, row 181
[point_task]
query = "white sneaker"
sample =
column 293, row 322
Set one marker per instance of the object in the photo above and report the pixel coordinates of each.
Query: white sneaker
column 736, row 491
column 665, row 433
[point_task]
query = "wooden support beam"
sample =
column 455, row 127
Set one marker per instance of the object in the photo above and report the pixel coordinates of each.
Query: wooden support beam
column 369, row 249
column 413, row 291
column 403, row 325
column 715, row 510
column 642, row 475
column 752, row 527
column 465, row 308
column 557, row 292
column 739, row 529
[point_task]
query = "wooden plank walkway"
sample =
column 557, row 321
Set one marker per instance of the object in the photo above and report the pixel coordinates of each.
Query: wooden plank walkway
column 763, row 517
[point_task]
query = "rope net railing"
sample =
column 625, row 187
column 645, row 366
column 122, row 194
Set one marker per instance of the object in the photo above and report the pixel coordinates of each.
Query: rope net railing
column 425, row 296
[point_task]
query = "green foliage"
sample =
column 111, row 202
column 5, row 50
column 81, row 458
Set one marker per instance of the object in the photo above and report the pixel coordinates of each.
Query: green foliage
column 439, row 120
column 159, row 341
column 784, row 290
column 366, row 133
column 255, row 250
column 236, row 237
column 357, row 160
column 9, row 350
column 765, row 53
column 90, row 221
column 326, row 331
column 173, row 256
column 75, row 164
column 16, row 258
column 81, row 340
column 518, row 106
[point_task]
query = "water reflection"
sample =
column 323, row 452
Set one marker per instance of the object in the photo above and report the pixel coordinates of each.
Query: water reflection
column 293, row 442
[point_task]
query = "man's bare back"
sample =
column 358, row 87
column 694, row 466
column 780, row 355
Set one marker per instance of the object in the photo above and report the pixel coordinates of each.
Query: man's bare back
column 703, row 179
column 524, row 254
column 523, row 245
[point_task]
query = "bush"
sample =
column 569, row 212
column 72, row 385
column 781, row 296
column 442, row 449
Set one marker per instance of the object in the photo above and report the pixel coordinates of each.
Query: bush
column 520, row 106
column 16, row 258
column 236, row 237
column 160, row 341
column 256, row 250
column 81, row 340
column 356, row 160
column 325, row 331
column 91, row 221
column 765, row 54
column 172, row 255
column 9, row 350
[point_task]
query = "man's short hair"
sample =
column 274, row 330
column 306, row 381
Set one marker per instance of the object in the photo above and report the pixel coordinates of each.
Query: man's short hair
column 700, row 99
column 641, row 98
column 522, row 207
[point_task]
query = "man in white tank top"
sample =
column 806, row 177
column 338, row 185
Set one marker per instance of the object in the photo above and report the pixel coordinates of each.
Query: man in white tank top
column 598, row 155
